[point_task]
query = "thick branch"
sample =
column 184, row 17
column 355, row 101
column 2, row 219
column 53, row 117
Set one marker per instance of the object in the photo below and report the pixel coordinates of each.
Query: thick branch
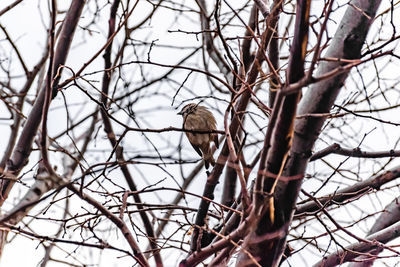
column 350, row 192
column 22, row 150
column 389, row 216
column 276, row 146
column 245, row 92
column 353, row 251
column 346, row 44
column 356, row 152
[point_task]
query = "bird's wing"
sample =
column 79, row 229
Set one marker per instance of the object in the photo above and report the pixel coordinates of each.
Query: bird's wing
column 216, row 141
column 197, row 150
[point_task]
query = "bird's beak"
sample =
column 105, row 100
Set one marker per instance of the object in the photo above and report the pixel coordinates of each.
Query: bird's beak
column 179, row 113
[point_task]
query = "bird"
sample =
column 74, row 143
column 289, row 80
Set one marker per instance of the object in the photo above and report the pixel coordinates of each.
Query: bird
column 199, row 118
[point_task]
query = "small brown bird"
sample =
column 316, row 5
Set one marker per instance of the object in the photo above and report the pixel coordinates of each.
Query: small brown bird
column 199, row 118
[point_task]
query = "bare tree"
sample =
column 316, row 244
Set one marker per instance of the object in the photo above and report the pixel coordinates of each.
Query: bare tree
column 95, row 166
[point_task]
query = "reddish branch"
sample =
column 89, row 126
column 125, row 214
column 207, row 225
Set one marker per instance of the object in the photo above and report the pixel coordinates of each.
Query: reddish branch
column 22, row 150
column 273, row 55
column 319, row 98
column 17, row 52
column 262, row 7
column 356, row 152
column 53, row 240
column 389, row 216
column 15, row 127
column 245, row 198
column 247, row 58
column 230, row 180
column 244, row 93
column 112, row 138
column 277, row 143
column 9, row 7
column 353, row 251
column 208, row 42
column 48, row 90
column 351, row 192
column 117, row 221
column 187, row 181
column 198, row 256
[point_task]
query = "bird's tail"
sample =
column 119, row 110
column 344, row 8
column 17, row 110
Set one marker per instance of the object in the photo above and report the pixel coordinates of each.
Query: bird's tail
column 209, row 159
